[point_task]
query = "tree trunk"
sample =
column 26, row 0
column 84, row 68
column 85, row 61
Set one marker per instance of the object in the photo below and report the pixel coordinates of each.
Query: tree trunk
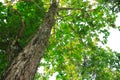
column 24, row 66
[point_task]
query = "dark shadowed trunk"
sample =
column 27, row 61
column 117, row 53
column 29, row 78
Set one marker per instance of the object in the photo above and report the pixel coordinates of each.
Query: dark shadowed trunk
column 24, row 66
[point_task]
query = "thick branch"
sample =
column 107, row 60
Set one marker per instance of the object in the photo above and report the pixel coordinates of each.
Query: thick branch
column 21, row 29
column 80, row 9
column 14, row 48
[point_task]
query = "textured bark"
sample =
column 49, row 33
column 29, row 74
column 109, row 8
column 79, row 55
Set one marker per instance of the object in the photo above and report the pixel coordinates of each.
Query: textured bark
column 24, row 66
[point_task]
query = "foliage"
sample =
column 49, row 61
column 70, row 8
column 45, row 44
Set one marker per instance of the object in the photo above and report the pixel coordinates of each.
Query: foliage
column 114, row 5
column 3, row 45
column 73, row 52
column 11, row 17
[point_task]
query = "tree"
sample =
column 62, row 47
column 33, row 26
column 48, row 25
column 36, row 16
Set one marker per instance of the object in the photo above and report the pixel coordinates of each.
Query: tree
column 73, row 50
column 28, row 59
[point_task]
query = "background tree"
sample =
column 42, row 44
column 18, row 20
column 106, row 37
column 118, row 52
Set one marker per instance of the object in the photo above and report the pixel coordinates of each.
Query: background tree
column 114, row 5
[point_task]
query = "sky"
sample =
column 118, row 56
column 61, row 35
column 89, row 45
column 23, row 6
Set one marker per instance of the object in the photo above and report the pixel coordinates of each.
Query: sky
column 114, row 39
column 1, row 0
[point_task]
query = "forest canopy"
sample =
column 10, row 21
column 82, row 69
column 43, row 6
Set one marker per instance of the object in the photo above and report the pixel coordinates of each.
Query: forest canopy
column 73, row 50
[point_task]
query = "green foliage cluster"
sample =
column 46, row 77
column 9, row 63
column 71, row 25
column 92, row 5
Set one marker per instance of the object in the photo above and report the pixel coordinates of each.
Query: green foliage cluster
column 11, row 17
column 2, row 38
column 73, row 50
column 114, row 5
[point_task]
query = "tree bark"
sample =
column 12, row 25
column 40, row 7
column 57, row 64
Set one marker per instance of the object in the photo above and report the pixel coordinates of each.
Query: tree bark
column 24, row 66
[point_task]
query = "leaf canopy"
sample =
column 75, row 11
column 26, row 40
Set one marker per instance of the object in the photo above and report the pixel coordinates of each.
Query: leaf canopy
column 73, row 52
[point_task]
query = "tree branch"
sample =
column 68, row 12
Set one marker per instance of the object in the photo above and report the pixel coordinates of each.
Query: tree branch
column 70, row 9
